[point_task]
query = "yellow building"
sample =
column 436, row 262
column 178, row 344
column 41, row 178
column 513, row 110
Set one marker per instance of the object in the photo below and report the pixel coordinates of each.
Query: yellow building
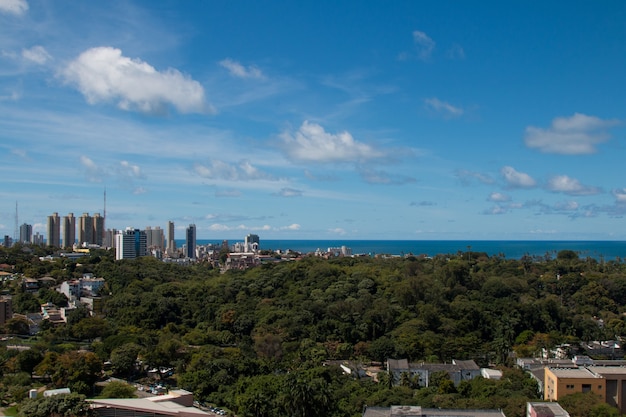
column 559, row 382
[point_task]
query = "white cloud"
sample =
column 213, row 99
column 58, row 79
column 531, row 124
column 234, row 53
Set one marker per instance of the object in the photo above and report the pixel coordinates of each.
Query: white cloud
column 129, row 171
column 566, row 206
column 620, row 195
column 466, row 177
column 373, row 176
column 571, row 186
column 289, row 192
column 338, row 231
column 424, row 43
column 228, row 193
column 238, row 70
column 294, row 226
column 93, row 172
column 103, row 74
column 16, row 7
column 443, row 107
column 575, row 135
column 456, row 52
column 516, row 179
column 36, row 54
column 221, row 170
column 313, row 144
column 499, row 197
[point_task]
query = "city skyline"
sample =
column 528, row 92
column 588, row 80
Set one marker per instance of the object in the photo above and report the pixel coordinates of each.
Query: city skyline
column 322, row 120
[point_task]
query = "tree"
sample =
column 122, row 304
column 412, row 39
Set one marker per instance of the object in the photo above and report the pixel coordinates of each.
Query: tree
column 124, row 358
column 118, row 389
column 65, row 405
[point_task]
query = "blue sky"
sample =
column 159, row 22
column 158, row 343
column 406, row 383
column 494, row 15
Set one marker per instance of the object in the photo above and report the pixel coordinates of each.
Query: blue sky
column 317, row 119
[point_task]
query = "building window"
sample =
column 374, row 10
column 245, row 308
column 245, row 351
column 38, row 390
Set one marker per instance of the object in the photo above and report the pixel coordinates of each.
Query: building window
column 569, row 386
column 599, row 386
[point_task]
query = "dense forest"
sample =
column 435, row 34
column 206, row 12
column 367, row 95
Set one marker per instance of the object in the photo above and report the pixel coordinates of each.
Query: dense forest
column 259, row 342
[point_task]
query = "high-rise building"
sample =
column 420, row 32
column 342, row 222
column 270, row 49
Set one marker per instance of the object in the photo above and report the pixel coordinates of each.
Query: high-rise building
column 251, row 243
column 130, row 244
column 85, row 229
column 26, row 233
column 98, row 229
column 191, row 242
column 54, row 230
column 171, row 242
column 155, row 237
column 38, row 239
column 109, row 238
column 69, row 230
column 6, row 309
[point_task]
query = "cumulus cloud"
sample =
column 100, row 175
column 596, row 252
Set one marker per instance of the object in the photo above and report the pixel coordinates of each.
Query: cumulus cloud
column 294, row 226
column 571, row 186
column 575, row 135
column 237, row 70
column 220, row 170
column 443, row 107
column 425, row 45
column 566, row 206
column 103, row 74
column 16, row 7
column 311, row 143
column 499, row 197
column 289, row 192
column 516, row 179
column 36, row 54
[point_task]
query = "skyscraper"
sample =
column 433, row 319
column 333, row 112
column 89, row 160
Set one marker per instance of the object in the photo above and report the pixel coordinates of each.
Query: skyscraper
column 171, row 242
column 251, row 243
column 191, row 242
column 54, row 230
column 130, row 244
column 98, row 229
column 69, row 230
column 26, row 233
column 85, row 229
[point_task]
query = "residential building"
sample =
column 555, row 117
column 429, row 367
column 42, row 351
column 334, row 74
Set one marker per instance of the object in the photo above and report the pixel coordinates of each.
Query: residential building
column 457, row 370
column 171, row 242
column 615, row 382
column 69, row 230
column 559, row 382
column 54, row 230
column 98, row 229
column 26, row 233
column 155, row 238
column 38, row 239
column 85, row 230
column 130, row 244
column 109, row 238
column 418, row 411
column 191, row 242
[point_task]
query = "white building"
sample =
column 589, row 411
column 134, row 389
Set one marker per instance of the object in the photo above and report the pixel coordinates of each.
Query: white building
column 130, row 244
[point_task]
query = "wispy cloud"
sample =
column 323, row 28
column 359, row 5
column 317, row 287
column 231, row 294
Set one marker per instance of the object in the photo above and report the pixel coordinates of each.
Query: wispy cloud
column 289, row 192
column 570, row 186
column 516, row 179
column 93, row 172
column 373, row 176
column 424, row 44
column 242, row 171
column 499, row 197
column 103, row 74
column 575, row 135
column 311, row 143
column 467, row 177
column 456, row 52
column 443, row 107
column 36, row 54
column 238, row 70
column 16, row 7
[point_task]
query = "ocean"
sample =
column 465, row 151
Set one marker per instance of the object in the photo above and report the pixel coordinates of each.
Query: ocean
column 508, row 249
